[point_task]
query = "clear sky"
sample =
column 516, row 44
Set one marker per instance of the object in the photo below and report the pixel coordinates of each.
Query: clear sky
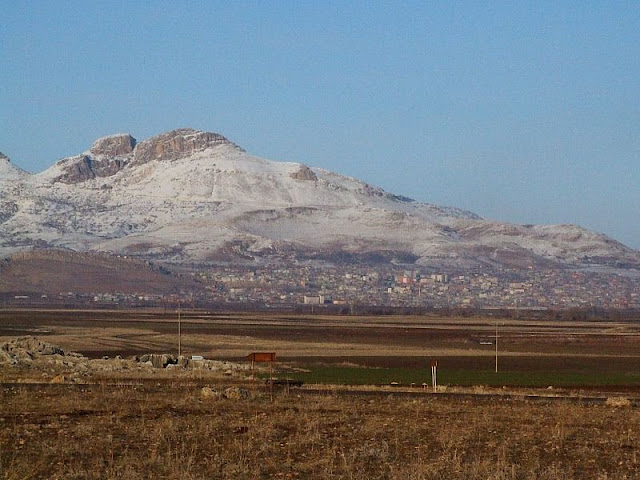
column 527, row 112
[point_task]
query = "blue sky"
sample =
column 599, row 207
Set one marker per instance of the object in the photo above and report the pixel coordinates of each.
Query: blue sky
column 527, row 112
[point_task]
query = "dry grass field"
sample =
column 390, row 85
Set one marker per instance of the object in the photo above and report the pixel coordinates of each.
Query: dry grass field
column 109, row 431
column 132, row 423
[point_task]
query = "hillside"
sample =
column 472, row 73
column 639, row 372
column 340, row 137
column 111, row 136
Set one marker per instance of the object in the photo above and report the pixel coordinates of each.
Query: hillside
column 193, row 197
column 53, row 272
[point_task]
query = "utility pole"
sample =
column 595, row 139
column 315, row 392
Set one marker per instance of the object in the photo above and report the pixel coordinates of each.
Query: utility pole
column 180, row 333
column 496, row 347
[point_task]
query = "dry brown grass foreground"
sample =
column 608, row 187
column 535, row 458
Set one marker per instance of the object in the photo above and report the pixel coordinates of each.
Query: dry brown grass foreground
column 170, row 430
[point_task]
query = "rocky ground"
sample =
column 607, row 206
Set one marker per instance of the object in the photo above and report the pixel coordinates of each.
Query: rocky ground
column 65, row 416
column 29, row 358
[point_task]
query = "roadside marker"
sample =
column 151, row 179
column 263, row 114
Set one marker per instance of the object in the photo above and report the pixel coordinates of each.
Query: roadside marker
column 434, row 381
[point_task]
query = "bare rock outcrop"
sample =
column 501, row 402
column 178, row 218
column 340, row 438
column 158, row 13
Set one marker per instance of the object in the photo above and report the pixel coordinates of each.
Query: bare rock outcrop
column 117, row 145
column 83, row 167
column 304, row 173
column 177, row 144
column 108, row 155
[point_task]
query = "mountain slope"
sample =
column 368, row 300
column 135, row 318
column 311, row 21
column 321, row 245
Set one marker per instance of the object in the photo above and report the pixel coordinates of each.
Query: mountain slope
column 56, row 271
column 8, row 171
column 192, row 196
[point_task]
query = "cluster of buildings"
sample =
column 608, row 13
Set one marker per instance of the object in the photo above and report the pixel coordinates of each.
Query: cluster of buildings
column 351, row 288
column 395, row 287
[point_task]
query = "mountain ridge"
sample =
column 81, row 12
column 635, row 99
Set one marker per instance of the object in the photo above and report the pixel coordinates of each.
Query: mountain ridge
column 193, row 196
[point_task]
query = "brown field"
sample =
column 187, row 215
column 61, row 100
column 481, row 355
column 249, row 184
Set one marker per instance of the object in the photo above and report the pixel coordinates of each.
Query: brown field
column 234, row 335
column 528, row 345
column 129, row 425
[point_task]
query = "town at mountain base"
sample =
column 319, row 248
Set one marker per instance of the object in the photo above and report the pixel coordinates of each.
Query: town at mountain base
column 189, row 200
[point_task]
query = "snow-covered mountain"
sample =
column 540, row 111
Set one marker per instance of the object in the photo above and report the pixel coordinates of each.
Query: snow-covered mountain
column 9, row 172
column 193, row 196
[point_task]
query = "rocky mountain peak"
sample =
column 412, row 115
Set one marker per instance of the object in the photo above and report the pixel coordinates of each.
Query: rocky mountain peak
column 4, row 158
column 177, row 144
column 108, row 155
column 83, row 167
column 114, row 145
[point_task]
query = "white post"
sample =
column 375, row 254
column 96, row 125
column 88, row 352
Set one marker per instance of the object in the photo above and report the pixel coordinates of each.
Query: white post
column 496, row 347
column 434, row 381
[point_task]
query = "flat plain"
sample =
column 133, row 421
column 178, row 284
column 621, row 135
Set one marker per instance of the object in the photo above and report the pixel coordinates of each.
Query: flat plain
column 601, row 352
column 563, row 405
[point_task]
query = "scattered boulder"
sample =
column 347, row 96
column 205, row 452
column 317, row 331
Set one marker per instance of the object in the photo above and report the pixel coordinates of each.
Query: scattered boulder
column 23, row 350
column 618, row 402
column 210, row 394
column 63, row 378
column 230, row 393
column 236, row 393
column 171, row 361
column 159, row 360
column 183, row 361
